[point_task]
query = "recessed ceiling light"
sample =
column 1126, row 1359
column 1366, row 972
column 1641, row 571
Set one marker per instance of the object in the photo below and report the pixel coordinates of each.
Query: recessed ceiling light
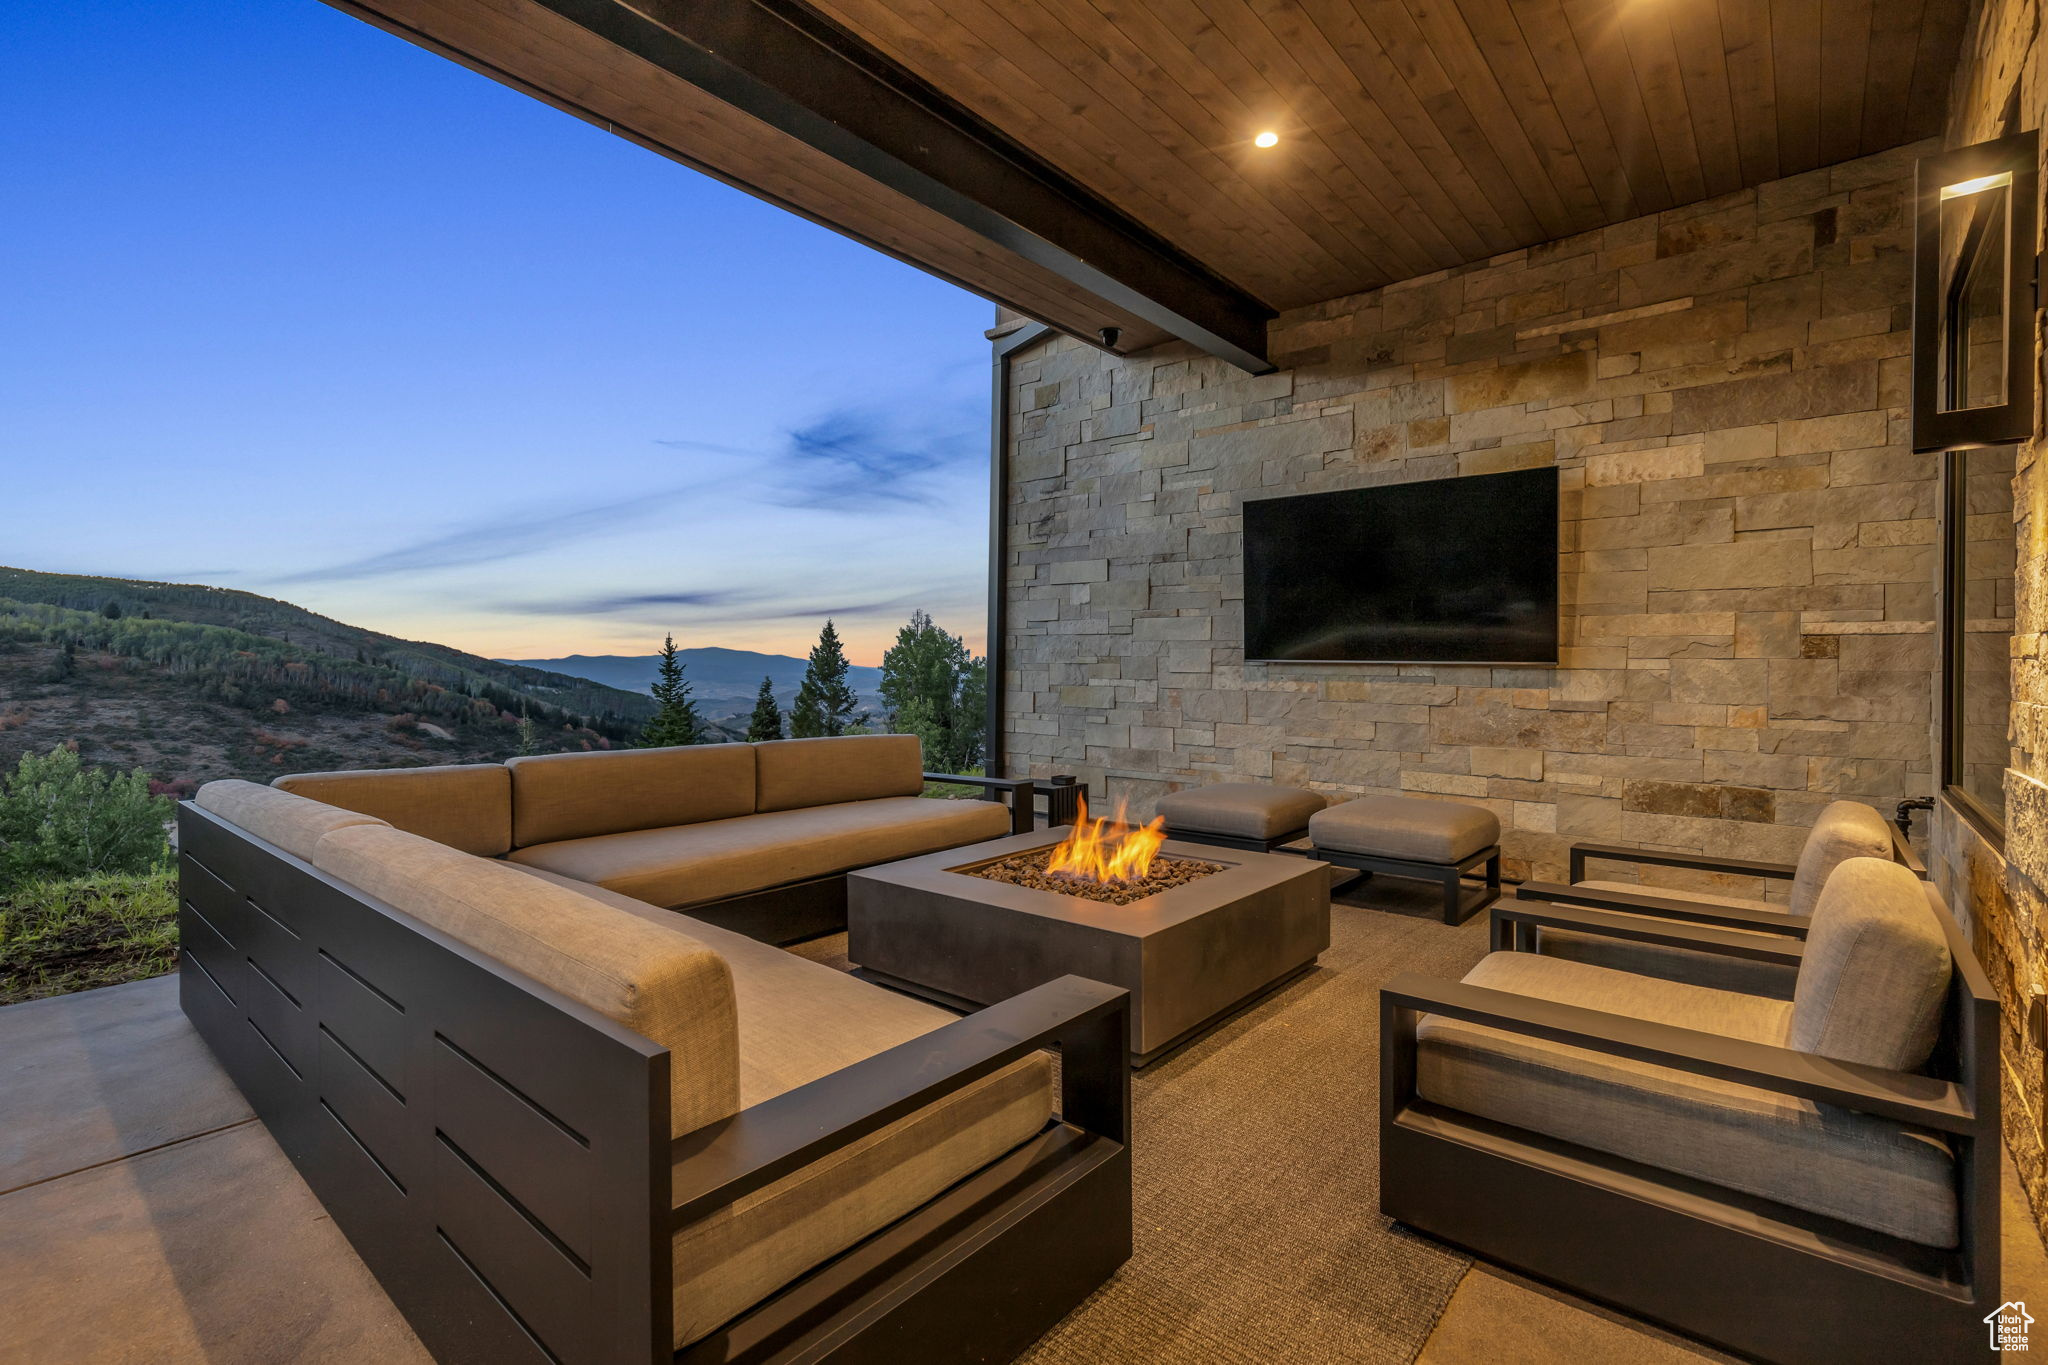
column 1266, row 140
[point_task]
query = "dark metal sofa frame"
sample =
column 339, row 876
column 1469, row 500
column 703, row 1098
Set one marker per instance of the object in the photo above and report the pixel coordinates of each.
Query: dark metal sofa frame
column 500, row 1155
column 799, row 910
column 1752, row 1275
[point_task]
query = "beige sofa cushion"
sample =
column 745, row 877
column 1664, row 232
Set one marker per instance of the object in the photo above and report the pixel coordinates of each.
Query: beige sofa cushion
column 733, row 1258
column 1244, row 810
column 1843, row 830
column 799, row 1021
column 1863, row 1170
column 463, row 805
column 1875, row 971
column 658, row 981
column 574, row 796
column 293, row 823
column 822, row 772
column 691, row 864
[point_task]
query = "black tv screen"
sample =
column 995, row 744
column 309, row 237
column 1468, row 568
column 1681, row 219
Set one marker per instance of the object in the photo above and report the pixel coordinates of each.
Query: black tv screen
column 1445, row 571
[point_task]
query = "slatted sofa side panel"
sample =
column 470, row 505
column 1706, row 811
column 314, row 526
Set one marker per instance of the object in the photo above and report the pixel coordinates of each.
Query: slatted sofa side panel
column 497, row 1154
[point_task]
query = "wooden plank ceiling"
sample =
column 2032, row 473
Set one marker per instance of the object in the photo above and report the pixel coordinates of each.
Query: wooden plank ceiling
column 1414, row 134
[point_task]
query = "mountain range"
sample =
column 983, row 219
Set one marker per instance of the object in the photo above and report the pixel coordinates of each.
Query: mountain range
column 192, row 683
column 721, row 680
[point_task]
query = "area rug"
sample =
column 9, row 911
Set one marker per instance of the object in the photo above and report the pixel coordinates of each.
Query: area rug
column 1256, row 1166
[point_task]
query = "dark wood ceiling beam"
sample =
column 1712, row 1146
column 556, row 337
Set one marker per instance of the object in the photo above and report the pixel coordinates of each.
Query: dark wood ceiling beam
column 792, row 70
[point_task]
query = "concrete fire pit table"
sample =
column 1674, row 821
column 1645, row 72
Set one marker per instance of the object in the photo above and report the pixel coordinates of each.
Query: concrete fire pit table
column 1188, row 955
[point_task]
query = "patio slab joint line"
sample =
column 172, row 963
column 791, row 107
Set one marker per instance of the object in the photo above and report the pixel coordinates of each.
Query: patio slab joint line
column 128, row 1156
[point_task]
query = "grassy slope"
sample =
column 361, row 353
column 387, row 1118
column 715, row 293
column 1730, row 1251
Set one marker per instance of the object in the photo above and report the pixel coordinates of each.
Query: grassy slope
column 57, row 937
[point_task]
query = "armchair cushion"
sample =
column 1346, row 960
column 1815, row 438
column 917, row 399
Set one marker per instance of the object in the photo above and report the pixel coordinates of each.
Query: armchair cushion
column 1844, row 830
column 1772, row 980
column 1854, row 1167
column 1673, row 964
column 1876, row 970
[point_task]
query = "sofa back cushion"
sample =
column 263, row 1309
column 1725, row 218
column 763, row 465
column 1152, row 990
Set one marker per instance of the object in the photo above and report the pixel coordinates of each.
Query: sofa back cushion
column 1875, row 971
column 463, row 805
column 573, row 796
column 660, row 983
column 825, row 772
column 293, row 823
column 1845, row 830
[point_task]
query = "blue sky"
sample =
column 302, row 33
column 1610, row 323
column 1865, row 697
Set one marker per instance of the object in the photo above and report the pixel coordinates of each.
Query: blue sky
column 288, row 304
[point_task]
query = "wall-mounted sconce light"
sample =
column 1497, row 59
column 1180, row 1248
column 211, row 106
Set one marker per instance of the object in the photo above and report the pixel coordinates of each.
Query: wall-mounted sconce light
column 1973, row 296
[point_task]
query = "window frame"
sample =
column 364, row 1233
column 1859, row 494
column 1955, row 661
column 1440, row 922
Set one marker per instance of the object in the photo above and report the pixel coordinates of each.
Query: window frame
column 1951, row 603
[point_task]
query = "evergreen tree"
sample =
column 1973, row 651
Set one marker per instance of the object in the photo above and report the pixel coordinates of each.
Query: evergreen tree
column 676, row 720
column 112, row 611
column 825, row 702
column 935, row 690
column 766, row 722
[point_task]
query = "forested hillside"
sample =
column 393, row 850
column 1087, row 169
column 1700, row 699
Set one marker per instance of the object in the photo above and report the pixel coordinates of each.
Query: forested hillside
column 193, row 683
column 721, row 679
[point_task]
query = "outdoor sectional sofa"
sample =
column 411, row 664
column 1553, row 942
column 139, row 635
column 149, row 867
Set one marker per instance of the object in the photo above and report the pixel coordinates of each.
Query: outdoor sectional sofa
column 752, row 837
column 561, row 1124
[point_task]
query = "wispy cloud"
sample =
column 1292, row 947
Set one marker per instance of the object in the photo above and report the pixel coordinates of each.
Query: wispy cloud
column 862, row 460
column 490, row 541
column 615, row 604
column 859, row 457
column 795, row 605
column 752, row 606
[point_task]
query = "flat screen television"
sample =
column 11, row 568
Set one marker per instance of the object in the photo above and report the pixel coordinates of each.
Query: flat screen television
column 1442, row 571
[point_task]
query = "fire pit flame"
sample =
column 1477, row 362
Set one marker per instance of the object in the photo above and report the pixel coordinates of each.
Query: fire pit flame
column 1107, row 852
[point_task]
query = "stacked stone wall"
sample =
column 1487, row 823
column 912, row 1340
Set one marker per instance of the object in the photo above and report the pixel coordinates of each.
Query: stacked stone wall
column 1747, row 543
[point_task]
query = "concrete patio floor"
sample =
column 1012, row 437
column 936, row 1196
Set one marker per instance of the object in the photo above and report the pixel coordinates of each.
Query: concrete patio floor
column 146, row 1215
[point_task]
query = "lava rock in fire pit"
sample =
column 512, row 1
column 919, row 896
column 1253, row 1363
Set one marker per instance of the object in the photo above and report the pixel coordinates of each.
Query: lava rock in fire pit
column 1028, row 869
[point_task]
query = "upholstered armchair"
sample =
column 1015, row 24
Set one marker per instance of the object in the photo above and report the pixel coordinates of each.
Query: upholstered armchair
column 1799, row 1180
column 1844, row 830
